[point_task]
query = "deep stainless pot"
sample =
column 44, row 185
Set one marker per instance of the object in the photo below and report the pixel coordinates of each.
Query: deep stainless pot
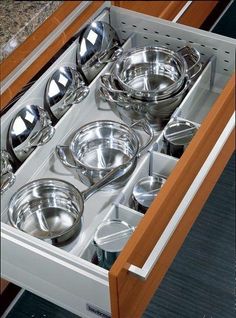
column 51, row 209
column 109, row 239
column 156, row 113
column 177, row 135
column 99, row 147
column 151, row 73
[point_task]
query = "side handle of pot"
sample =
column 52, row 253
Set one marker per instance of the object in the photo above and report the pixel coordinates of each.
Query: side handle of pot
column 7, row 180
column 63, row 153
column 192, row 58
column 146, row 127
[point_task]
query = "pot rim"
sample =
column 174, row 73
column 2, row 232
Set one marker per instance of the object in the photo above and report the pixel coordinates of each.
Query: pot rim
column 93, row 125
column 32, row 184
column 129, row 53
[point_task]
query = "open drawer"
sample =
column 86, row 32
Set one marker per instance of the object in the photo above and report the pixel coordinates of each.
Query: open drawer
column 66, row 275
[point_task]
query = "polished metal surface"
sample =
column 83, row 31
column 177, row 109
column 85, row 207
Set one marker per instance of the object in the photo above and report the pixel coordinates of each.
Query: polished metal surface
column 109, row 239
column 154, row 73
column 99, row 147
column 7, row 176
column 145, row 191
column 98, row 44
column 51, row 209
column 64, row 88
column 177, row 135
column 149, row 72
column 48, row 209
column 155, row 113
column 31, row 127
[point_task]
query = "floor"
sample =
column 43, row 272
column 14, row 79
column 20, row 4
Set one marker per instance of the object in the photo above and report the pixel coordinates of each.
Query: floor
column 201, row 280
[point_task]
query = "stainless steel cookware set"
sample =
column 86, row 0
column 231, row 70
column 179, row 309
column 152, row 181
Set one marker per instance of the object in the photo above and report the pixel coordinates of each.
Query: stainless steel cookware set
column 150, row 82
column 144, row 88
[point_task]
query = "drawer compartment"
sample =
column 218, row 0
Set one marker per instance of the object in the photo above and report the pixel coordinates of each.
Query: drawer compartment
column 66, row 274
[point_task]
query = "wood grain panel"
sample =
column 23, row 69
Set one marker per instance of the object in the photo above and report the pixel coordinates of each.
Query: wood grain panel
column 163, row 9
column 4, row 285
column 21, row 52
column 129, row 295
column 37, row 65
column 197, row 13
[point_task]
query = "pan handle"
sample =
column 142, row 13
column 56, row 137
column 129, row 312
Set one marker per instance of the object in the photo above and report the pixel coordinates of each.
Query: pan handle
column 109, row 177
column 146, row 127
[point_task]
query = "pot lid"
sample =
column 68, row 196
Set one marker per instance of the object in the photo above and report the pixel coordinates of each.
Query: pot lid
column 180, row 132
column 112, row 235
column 146, row 189
column 96, row 45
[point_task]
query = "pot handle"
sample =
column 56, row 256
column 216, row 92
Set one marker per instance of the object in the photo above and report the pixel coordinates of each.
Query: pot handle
column 192, row 58
column 146, row 127
column 102, row 57
column 7, row 180
column 63, row 153
column 107, row 82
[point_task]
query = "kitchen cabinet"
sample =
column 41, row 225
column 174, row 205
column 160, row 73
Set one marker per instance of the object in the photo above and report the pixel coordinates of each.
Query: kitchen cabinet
column 65, row 275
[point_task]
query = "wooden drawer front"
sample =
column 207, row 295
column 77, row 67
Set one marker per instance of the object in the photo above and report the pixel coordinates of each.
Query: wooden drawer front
column 131, row 294
column 66, row 276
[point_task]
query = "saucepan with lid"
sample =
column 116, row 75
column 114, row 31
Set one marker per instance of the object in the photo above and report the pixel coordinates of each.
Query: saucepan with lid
column 177, row 135
column 52, row 209
column 100, row 146
column 145, row 191
column 109, row 239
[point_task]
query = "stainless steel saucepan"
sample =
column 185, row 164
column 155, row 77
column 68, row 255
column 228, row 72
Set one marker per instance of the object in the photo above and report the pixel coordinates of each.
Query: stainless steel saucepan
column 109, row 239
column 145, row 191
column 51, row 209
column 100, row 146
column 153, row 73
column 156, row 113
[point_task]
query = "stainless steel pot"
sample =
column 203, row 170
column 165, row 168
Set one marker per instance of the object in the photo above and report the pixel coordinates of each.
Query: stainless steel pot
column 101, row 146
column 156, row 113
column 51, row 209
column 109, row 239
column 64, row 88
column 145, row 191
column 177, row 135
column 7, row 175
column 149, row 73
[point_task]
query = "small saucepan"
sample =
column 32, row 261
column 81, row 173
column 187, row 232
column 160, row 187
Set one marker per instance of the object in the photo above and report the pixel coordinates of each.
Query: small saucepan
column 177, row 135
column 109, row 239
column 52, row 209
column 145, row 191
column 100, row 146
